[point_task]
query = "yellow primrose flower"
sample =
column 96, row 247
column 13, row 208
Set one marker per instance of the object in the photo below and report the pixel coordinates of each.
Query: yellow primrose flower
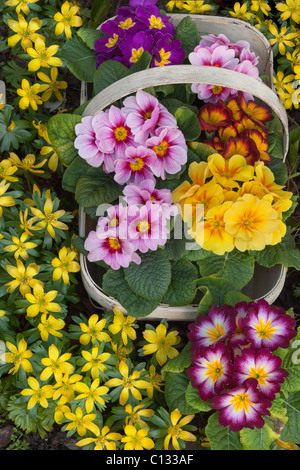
column 155, row 381
column 27, row 163
column 21, row 5
column 38, row 394
column 65, row 264
column 5, row 201
column 66, row 19
column 42, row 56
column 91, row 394
column 261, row 5
column 50, row 326
column 18, row 356
column 161, row 343
column 49, row 219
column 56, row 364
column 196, row 6
column 130, row 383
column 94, row 362
column 93, row 331
column 25, row 32
column 136, row 414
column 228, row 171
column 41, row 301
column 52, row 85
column 81, row 422
column 20, row 246
column 103, row 439
column 27, row 224
column 210, row 234
column 24, row 277
column 282, row 37
column 266, row 179
column 7, row 169
column 251, row 221
column 65, row 386
column 136, row 439
column 176, row 431
column 290, row 9
column 124, row 324
column 29, row 95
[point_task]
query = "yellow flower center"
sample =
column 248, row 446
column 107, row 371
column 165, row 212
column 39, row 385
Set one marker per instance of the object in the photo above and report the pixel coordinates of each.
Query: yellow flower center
column 114, row 222
column 112, row 41
column 214, row 371
column 137, row 165
column 114, row 243
column 156, row 22
column 215, row 333
column 143, row 226
column 121, row 133
column 241, row 401
column 161, row 149
column 164, row 56
column 127, row 24
column 265, row 330
column 147, row 115
column 259, row 374
column 136, row 54
column 216, row 89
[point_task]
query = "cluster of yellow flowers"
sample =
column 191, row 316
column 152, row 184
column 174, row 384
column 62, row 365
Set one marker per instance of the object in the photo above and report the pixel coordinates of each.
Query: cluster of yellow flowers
column 66, row 384
column 42, row 57
column 230, row 204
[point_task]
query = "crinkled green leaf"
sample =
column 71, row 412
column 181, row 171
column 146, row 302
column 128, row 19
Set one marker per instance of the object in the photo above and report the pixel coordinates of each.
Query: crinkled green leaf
column 61, row 131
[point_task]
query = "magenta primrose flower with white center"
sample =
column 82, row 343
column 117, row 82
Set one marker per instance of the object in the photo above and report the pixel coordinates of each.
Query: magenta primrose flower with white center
column 207, row 330
column 138, row 164
column 211, row 370
column 170, row 148
column 267, row 326
column 144, row 114
column 242, row 407
column 263, row 366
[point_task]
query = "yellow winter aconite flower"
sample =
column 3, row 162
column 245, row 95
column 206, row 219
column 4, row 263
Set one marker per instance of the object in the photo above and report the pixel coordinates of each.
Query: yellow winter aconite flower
column 65, row 386
column 21, row 5
column 281, row 82
column 161, row 343
column 281, row 37
column 239, row 11
column 124, row 324
column 289, row 9
column 94, row 361
column 41, row 301
column 29, row 95
column 155, row 381
column 7, row 169
column 91, row 394
column 174, row 3
column 64, row 265
column 136, row 439
column 131, row 383
column 38, row 394
column 261, row 5
column 136, row 414
column 18, row 356
column 66, row 19
column 81, row 422
column 43, row 56
column 103, row 440
column 27, row 224
column 24, row 277
column 176, row 431
column 20, row 246
column 5, row 201
column 56, row 364
column 25, row 32
column 196, row 6
column 93, row 331
column 50, row 326
column 49, row 219
column 51, row 85
column 27, row 163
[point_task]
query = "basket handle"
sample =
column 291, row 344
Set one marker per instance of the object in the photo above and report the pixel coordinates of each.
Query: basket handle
column 175, row 74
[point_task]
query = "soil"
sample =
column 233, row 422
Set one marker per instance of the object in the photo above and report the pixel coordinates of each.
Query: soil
column 56, row 439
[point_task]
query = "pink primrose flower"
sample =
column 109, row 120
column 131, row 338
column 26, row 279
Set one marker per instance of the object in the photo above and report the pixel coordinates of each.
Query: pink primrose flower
column 145, row 114
column 139, row 164
column 170, row 148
